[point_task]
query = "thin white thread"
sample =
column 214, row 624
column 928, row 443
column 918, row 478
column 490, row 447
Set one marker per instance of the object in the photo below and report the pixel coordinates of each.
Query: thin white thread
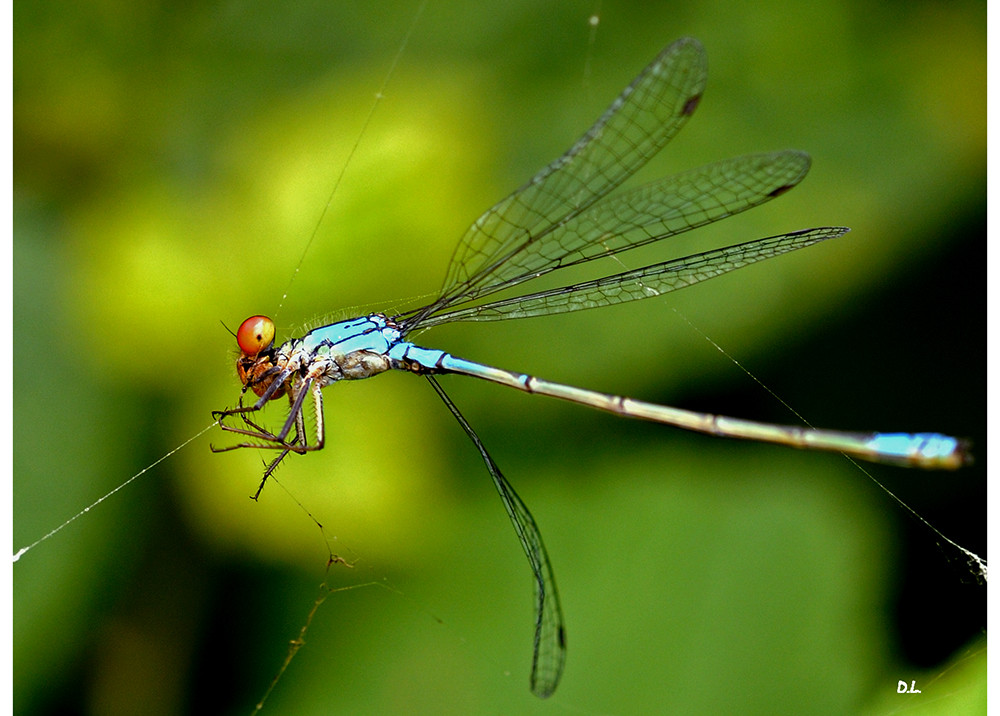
column 94, row 504
column 379, row 95
column 976, row 563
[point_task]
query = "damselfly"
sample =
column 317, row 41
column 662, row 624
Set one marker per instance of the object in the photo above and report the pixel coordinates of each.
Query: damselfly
column 563, row 217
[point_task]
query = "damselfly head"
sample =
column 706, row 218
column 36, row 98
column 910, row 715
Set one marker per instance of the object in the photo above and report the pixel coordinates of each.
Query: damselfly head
column 255, row 334
column 255, row 366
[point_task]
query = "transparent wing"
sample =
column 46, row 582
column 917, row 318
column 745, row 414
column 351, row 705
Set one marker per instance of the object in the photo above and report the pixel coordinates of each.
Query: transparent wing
column 647, row 114
column 549, row 655
column 646, row 282
column 649, row 213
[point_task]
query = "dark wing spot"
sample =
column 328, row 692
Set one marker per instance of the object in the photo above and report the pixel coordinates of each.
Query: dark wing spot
column 691, row 105
column 780, row 190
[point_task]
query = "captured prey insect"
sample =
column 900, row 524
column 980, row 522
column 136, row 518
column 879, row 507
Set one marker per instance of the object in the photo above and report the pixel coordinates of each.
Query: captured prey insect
column 561, row 217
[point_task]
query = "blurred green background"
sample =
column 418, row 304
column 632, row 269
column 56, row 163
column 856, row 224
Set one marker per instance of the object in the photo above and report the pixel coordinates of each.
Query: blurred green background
column 171, row 163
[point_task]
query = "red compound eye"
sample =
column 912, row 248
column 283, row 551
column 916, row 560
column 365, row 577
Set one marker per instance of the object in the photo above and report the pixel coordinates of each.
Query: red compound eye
column 255, row 335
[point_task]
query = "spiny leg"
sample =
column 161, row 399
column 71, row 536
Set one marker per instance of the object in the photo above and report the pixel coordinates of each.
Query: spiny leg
column 279, row 441
column 300, row 443
column 268, row 472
